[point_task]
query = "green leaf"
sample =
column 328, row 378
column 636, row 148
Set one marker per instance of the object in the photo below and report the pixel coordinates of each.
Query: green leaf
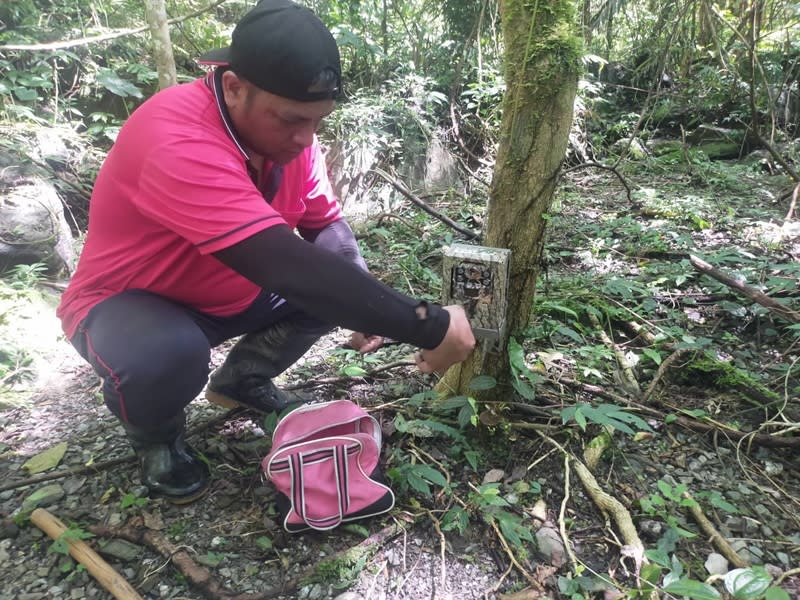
column 263, row 543
column 212, row 559
column 717, row 500
column 270, row 423
column 357, row 529
column 354, row 371
column 776, row 593
column 418, row 483
column 472, row 457
column 46, row 460
column 695, row 590
column 456, row 518
column 580, row 418
column 747, row 584
column 24, row 94
column 664, row 488
column 453, row 403
column 653, row 355
column 465, row 415
column 516, row 355
column 117, row 85
column 570, row 333
column 431, row 474
column 482, row 382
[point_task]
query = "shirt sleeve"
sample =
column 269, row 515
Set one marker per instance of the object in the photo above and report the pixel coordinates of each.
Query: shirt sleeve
column 322, row 206
column 201, row 191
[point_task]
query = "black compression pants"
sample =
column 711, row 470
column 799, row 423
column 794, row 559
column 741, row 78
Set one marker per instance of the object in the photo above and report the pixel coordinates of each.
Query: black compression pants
column 153, row 354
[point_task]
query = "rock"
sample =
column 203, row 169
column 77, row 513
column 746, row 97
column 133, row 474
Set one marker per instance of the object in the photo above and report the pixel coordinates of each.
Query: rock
column 121, row 549
column 8, row 529
column 651, row 529
column 550, row 546
column 441, row 167
column 349, row 596
column 716, row 564
column 493, row 476
column 33, row 228
column 44, row 496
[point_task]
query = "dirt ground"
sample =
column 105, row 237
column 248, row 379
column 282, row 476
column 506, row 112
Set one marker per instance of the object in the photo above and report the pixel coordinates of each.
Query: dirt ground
column 229, row 545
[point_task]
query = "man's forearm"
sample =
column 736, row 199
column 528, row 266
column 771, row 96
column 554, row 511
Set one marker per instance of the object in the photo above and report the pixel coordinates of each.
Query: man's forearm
column 337, row 237
column 332, row 289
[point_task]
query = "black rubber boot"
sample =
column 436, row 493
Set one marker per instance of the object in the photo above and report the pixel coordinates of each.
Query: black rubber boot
column 245, row 378
column 169, row 467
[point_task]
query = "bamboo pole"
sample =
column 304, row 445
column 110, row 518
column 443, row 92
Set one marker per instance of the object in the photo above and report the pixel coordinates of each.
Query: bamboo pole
column 106, row 576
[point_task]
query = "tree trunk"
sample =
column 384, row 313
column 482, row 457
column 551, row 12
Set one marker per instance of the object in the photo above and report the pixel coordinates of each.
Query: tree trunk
column 542, row 62
column 156, row 14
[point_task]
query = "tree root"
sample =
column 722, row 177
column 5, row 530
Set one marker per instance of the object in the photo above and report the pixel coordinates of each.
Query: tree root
column 626, row 376
column 720, row 543
column 662, row 369
column 610, row 505
column 199, row 577
column 202, row 579
column 757, row 439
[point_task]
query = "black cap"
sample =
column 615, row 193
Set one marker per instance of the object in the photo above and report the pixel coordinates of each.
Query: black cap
column 283, row 48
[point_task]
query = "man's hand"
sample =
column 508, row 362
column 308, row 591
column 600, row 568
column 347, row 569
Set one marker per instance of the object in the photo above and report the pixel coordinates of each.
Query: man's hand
column 457, row 344
column 365, row 343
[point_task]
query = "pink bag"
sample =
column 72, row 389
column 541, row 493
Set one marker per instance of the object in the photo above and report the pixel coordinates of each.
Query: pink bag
column 325, row 464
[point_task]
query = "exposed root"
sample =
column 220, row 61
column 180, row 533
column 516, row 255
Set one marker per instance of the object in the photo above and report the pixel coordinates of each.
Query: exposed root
column 201, row 578
column 720, row 543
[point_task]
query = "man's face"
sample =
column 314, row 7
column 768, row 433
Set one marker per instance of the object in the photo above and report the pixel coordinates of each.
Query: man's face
column 274, row 127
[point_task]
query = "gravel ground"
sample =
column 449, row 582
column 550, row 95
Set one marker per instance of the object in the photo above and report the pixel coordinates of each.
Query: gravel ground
column 231, row 531
column 233, row 534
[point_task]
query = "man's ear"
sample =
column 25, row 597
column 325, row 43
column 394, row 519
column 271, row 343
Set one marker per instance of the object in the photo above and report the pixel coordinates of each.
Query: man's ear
column 234, row 89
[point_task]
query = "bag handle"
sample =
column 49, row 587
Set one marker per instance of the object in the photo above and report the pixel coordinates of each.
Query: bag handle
column 297, row 474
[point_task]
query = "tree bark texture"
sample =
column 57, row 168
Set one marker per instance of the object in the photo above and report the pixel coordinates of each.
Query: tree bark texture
column 542, row 62
column 156, row 14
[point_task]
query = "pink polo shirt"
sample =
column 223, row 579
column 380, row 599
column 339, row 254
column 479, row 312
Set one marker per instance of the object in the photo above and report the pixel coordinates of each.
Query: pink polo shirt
column 174, row 189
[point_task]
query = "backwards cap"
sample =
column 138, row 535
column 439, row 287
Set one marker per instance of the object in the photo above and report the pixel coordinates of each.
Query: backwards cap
column 283, row 48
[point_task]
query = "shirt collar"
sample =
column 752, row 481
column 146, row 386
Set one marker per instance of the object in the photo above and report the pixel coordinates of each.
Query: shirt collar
column 214, row 82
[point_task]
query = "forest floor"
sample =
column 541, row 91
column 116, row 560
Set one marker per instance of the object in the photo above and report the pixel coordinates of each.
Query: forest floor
column 605, row 251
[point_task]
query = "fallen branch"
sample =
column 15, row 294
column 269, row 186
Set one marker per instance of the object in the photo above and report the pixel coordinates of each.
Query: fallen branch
column 750, row 292
column 720, row 543
column 597, row 165
column 398, row 185
column 765, row 440
column 662, row 369
column 615, row 509
column 201, row 578
column 627, row 378
column 510, row 553
column 106, row 36
column 95, row 468
column 345, row 378
column 105, row 575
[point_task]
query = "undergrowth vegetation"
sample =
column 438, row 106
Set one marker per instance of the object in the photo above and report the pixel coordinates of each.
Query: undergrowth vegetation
column 589, row 472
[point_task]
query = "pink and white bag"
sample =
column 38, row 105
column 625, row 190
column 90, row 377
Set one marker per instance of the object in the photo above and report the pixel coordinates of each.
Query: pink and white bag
column 325, row 464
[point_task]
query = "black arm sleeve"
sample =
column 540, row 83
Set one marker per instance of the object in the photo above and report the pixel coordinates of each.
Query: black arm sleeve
column 338, row 238
column 332, row 289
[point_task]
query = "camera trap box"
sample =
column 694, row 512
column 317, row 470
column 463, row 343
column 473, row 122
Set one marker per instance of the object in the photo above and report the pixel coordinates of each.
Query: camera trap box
column 476, row 277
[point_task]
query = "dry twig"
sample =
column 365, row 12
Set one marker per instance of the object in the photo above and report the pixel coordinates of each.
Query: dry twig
column 398, row 185
column 750, row 292
column 720, row 543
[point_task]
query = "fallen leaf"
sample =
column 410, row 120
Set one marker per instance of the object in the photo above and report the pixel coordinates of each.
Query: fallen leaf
column 45, row 460
column 539, row 510
column 153, row 521
column 494, row 476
